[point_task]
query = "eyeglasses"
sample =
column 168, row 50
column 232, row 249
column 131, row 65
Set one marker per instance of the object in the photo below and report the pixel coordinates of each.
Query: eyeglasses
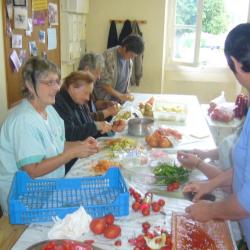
column 51, row 83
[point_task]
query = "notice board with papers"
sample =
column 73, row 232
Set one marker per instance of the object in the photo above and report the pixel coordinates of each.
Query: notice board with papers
column 31, row 28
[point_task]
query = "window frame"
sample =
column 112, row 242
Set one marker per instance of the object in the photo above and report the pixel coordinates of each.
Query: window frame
column 171, row 27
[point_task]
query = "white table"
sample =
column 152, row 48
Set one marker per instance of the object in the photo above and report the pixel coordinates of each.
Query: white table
column 131, row 224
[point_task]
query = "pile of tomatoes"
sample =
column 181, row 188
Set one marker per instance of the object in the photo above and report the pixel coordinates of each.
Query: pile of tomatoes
column 67, row 245
column 157, row 239
column 105, row 225
column 145, row 207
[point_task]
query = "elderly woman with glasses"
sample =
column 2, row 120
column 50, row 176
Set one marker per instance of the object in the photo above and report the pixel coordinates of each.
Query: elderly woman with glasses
column 32, row 138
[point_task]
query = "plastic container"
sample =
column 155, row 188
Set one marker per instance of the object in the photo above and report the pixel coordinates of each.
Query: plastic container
column 169, row 111
column 32, row 201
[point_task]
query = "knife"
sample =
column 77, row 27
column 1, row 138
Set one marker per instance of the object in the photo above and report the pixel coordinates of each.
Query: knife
column 180, row 195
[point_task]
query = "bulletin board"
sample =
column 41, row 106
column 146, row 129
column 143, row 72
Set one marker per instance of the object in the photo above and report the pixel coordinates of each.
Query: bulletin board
column 43, row 15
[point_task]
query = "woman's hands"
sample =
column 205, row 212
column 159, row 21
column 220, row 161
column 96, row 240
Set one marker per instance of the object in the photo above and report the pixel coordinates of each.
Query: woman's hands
column 119, row 125
column 202, row 154
column 111, row 110
column 81, row 149
column 126, row 97
column 103, row 127
column 188, row 160
column 201, row 211
column 199, row 188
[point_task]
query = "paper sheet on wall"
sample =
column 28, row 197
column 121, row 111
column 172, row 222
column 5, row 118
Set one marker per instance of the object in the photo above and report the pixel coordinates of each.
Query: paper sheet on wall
column 15, row 61
column 20, row 18
column 39, row 5
column 17, row 41
column 53, row 14
column 52, row 40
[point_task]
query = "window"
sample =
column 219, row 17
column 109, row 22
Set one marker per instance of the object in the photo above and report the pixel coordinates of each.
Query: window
column 198, row 28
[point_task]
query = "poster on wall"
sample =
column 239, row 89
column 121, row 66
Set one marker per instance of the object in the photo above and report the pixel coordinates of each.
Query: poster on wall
column 33, row 48
column 42, row 36
column 39, row 17
column 20, row 18
column 38, row 5
column 52, row 40
column 17, row 41
column 9, row 8
column 53, row 14
column 29, row 27
column 15, row 61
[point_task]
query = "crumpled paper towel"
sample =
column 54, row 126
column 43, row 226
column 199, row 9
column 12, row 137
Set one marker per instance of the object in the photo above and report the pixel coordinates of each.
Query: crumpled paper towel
column 72, row 226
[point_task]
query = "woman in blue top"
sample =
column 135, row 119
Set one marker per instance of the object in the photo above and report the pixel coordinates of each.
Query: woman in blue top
column 237, row 205
column 32, row 138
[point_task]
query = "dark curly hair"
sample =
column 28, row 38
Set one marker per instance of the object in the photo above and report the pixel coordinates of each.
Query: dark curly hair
column 133, row 43
column 237, row 44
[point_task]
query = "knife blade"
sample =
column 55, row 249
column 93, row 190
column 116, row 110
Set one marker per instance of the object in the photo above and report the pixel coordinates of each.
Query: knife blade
column 180, row 195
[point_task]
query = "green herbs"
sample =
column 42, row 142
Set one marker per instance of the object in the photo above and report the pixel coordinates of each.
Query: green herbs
column 167, row 174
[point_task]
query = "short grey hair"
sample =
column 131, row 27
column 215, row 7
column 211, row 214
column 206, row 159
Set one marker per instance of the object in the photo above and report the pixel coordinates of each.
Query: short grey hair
column 34, row 70
column 91, row 60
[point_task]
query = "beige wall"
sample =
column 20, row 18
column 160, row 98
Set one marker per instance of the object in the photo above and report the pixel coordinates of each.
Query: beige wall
column 153, row 11
column 3, row 95
column 206, row 85
column 203, row 83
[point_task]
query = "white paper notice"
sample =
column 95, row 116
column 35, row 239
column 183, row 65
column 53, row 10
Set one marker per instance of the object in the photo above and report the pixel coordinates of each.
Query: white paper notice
column 15, row 60
column 52, row 40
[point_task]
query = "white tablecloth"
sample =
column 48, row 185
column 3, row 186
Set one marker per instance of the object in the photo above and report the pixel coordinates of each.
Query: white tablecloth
column 131, row 224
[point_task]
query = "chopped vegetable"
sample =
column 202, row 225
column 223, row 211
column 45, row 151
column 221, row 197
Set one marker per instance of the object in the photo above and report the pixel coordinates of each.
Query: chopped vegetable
column 120, row 144
column 103, row 165
column 168, row 174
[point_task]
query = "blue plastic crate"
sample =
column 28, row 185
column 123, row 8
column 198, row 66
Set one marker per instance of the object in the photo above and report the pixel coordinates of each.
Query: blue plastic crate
column 37, row 200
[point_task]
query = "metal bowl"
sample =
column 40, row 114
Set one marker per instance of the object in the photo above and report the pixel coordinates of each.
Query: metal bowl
column 140, row 126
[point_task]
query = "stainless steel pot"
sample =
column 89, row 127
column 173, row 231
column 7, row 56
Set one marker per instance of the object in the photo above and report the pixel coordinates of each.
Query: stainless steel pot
column 140, row 126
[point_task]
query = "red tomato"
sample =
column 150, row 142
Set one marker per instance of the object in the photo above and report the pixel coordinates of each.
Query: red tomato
column 161, row 202
column 109, row 218
column 149, row 235
column 98, row 225
column 170, row 188
column 176, row 185
column 49, row 246
column 118, row 243
column 156, row 207
column 146, row 211
column 112, row 231
column 145, row 226
column 136, row 206
column 131, row 191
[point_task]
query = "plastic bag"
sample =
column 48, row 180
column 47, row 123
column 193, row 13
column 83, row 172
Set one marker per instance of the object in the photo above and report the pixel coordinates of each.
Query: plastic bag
column 223, row 112
column 127, row 113
column 216, row 101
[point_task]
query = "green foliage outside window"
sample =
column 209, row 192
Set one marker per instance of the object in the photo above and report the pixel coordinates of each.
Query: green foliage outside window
column 214, row 19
